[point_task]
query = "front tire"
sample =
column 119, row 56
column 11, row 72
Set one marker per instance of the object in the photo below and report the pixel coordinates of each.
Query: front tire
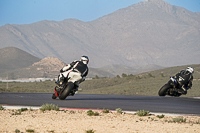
column 54, row 96
column 163, row 90
column 66, row 91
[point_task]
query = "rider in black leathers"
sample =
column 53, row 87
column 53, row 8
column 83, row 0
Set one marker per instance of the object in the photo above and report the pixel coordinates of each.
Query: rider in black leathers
column 184, row 79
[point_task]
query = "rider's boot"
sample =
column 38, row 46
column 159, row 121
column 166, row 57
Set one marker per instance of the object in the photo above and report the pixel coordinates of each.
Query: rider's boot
column 182, row 90
column 60, row 80
column 74, row 90
column 76, row 87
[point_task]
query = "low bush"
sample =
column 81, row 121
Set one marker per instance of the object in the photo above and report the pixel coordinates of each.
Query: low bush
column 142, row 113
column 17, row 131
column 90, row 131
column 161, row 116
column 106, row 111
column 197, row 122
column 119, row 110
column 19, row 111
column 23, row 109
column 1, row 107
column 49, row 107
column 179, row 119
column 91, row 113
column 30, row 131
column 72, row 112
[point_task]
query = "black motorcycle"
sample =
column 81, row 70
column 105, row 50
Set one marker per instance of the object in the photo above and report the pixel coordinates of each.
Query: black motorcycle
column 64, row 88
column 172, row 88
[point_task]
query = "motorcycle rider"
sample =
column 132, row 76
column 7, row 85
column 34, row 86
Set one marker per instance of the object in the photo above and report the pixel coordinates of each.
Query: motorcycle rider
column 184, row 79
column 75, row 71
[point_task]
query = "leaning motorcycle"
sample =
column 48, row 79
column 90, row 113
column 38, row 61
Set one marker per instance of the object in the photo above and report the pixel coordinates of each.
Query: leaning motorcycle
column 64, row 89
column 172, row 88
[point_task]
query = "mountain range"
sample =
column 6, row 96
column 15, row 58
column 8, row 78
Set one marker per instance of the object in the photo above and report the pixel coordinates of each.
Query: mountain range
column 152, row 32
column 18, row 64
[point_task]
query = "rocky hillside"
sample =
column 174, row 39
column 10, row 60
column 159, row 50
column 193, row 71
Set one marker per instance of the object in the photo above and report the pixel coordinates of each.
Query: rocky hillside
column 150, row 32
column 12, row 58
column 48, row 67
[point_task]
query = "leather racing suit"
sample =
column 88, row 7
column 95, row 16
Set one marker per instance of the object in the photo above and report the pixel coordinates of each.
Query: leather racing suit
column 75, row 71
column 184, row 79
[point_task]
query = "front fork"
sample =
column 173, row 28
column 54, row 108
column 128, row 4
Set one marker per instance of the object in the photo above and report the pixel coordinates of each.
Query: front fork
column 58, row 89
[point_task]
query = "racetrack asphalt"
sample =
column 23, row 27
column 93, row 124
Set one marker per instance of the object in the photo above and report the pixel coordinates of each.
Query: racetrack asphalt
column 128, row 103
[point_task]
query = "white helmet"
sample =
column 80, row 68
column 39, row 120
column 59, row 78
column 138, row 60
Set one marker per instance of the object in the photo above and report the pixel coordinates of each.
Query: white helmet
column 190, row 69
column 85, row 59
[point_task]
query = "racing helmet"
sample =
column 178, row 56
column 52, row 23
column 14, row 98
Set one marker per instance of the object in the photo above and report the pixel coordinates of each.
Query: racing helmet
column 190, row 69
column 85, row 59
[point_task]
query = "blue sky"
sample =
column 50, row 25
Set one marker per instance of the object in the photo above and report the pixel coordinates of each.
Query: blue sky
column 30, row 11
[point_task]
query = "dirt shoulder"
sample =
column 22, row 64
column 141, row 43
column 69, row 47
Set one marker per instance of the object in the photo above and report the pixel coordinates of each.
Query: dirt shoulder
column 77, row 121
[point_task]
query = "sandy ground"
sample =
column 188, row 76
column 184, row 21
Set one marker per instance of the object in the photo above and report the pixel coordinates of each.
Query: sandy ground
column 77, row 121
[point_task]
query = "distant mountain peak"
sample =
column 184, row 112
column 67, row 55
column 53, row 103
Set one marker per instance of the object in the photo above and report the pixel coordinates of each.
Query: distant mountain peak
column 149, row 32
column 160, row 3
column 155, row 0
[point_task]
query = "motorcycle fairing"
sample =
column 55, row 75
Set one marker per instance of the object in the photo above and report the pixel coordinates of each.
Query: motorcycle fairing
column 56, row 93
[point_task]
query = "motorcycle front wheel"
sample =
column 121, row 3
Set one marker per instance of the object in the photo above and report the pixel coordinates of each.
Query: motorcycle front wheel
column 163, row 90
column 54, row 96
column 66, row 91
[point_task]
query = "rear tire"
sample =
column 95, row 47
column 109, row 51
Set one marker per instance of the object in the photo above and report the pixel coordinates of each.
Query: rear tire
column 163, row 90
column 66, row 91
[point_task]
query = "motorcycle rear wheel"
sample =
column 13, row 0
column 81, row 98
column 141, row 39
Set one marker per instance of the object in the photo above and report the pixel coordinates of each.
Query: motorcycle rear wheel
column 163, row 90
column 66, row 91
